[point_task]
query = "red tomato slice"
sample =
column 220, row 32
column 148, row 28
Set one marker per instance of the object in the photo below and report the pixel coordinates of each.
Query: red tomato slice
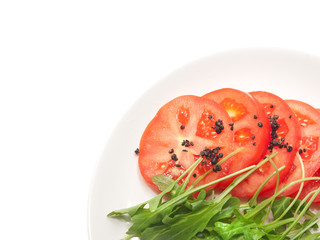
column 285, row 139
column 311, row 186
column 309, row 120
column 181, row 129
column 247, row 115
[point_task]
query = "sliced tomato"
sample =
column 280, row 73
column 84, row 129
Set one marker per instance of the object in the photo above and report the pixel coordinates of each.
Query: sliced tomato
column 182, row 130
column 309, row 121
column 309, row 187
column 284, row 139
column 250, row 126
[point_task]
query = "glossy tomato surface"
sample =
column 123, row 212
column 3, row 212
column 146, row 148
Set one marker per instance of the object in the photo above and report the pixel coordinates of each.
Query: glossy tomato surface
column 309, row 187
column 309, row 121
column 250, row 126
column 183, row 129
column 284, row 139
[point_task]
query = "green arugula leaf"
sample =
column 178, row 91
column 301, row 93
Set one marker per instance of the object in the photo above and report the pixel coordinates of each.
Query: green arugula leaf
column 146, row 219
column 270, row 236
column 281, row 205
column 207, row 236
column 238, row 229
column 259, row 216
column 315, row 236
column 304, row 210
column 227, row 210
column 131, row 210
column 185, row 217
column 185, row 226
column 162, row 182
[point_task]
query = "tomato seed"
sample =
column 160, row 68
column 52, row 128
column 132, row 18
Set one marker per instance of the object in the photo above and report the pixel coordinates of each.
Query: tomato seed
column 219, row 126
column 137, row 151
column 204, row 163
column 174, row 157
column 186, row 143
column 214, row 161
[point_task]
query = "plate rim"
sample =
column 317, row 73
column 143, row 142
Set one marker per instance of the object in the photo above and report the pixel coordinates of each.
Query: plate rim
column 246, row 50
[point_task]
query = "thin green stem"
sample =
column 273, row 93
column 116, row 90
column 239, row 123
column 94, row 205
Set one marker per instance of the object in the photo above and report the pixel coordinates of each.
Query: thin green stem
column 267, row 201
column 230, row 155
column 313, row 221
column 210, row 170
column 271, row 226
column 185, row 182
column 300, row 215
column 239, row 179
column 198, row 188
column 253, row 200
column 296, row 182
column 154, row 202
column 189, row 192
column 303, row 201
column 276, row 189
column 299, row 192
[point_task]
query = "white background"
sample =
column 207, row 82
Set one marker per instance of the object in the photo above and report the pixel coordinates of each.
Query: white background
column 69, row 70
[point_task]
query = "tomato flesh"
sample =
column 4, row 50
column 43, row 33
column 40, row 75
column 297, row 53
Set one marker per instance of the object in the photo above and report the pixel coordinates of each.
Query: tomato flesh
column 171, row 143
column 235, row 109
column 243, row 136
column 284, row 139
column 204, row 128
column 183, row 115
column 309, row 120
column 246, row 114
column 309, row 187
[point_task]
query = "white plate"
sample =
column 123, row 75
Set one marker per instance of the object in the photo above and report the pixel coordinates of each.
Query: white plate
column 117, row 182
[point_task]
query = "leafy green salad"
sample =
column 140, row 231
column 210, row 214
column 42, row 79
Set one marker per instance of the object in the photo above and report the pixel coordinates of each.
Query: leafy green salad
column 196, row 212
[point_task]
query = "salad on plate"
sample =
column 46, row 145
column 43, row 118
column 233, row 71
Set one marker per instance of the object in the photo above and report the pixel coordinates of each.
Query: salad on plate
column 229, row 165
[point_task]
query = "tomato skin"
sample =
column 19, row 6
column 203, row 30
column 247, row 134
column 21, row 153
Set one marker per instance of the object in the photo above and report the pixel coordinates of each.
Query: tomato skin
column 289, row 129
column 246, row 114
column 309, row 120
column 309, row 187
column 185, row 125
